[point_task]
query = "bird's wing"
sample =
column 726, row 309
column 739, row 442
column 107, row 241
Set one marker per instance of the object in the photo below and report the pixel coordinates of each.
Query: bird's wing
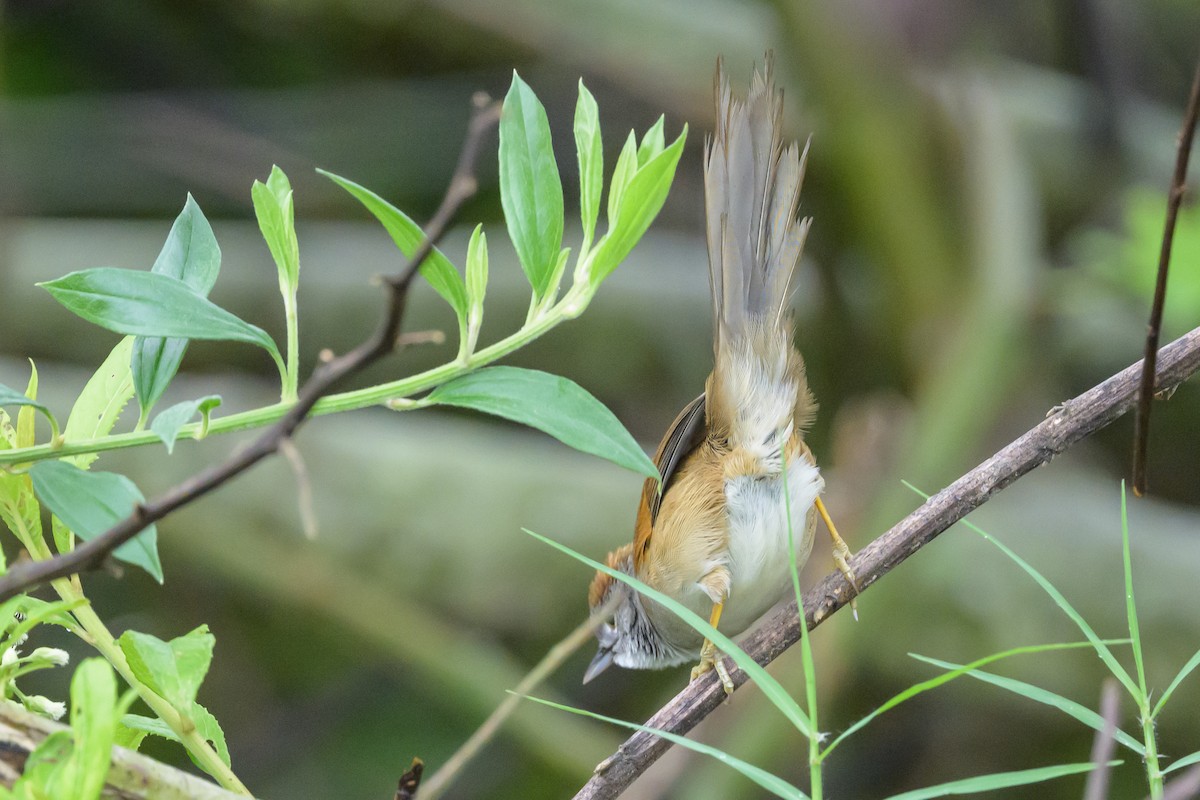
column 683, row 436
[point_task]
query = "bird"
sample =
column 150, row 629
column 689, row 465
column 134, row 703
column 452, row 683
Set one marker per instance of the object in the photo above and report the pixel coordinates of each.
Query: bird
column 712, row 533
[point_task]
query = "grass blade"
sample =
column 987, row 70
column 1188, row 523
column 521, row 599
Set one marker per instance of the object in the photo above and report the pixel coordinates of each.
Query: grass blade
column 1135, row 635
column 1102, row 650
column 1044, row 696
column 933, row 683
column 763, row 679
column 998, row 780
column 773, row 784
column 1186, row 761
column 1192, row 663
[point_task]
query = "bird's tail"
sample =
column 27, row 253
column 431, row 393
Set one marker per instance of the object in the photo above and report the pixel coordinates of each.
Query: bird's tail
column 752, row 193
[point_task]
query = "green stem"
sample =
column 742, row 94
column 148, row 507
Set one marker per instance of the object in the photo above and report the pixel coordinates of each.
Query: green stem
column 100, row 638
column 572, row 305
column 1154, row 773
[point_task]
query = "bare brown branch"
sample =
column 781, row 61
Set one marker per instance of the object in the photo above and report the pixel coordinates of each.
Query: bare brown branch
column 1141, row 425
column 90, row 554
column 1064, row 426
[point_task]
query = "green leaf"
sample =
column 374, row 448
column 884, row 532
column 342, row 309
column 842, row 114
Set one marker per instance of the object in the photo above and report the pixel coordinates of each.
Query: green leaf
column 652, row 144
column 408, row 236
column 273, row 205
column 129, row 738
column 770, row 687
column 169, row 421
column 1044, row 696
column 11, row 397
column 999, row 780
column 550, row 403
column 210, row 729
column 1187, row 669
column 933, row 683
column 622, row 174
column 89, row 503
column 477, row 278
column 640, row 203
column 1101, row 649
column 44, row 768
column 146, row 304
column 1135, row 635
column 530, row 189
column 1186, row 761
column 590, row 150
column 101, row 402
column 772, row 783
column 192, row 255
column 173, row 669
column 205, row 723
column 26, row 423
column 93, row 720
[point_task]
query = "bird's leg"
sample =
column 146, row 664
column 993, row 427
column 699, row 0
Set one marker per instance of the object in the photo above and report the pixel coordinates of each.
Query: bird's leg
column 841, row 555
column 710, row 657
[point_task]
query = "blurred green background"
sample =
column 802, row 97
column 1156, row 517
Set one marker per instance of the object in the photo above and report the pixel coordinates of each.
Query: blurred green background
column 988, row 183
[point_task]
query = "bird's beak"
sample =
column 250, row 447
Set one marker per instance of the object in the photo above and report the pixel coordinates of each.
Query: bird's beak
column 602, row 661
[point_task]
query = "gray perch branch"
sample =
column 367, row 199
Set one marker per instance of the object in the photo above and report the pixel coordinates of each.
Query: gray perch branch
column 1064, row 426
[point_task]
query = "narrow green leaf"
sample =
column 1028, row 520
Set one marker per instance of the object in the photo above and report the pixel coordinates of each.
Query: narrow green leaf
column 998, row 780
column 590, row 151
column 146, row 304
column 1186, row 761
column 102, row 400
column 933, row 683
column 408, row 236
column 550, row 403
column 90, row 503
column 167, row 424
column 26, row 422
column 1044, row 696
column 1191, row 665
column 11, row 397
column 652, row 144
column 1135, row 635
column 639, row 205
column 275, row 210
column 1101, row 649
column 93, row 720
column 622, row 174
column 477, row 273
column 173, row 669
column 772, row 783
column 530, row 189
column 192, row 255
column 770, row 687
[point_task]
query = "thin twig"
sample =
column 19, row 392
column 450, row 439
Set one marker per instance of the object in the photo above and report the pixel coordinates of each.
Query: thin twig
column 1141, row 425
column 1104, row 743
column 1063, row 427
column 91, row 554
column 437, row 785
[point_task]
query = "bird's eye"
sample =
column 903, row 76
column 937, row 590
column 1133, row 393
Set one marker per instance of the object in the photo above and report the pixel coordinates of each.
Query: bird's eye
column 607, row 635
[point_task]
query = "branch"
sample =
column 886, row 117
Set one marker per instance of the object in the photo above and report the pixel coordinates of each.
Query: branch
column 132, row 776
column 91, row 554
column 1064, row 426
column 1141, row 424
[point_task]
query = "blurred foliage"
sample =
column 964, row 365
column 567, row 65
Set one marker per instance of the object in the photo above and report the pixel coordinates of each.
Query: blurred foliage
column 987, row 182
